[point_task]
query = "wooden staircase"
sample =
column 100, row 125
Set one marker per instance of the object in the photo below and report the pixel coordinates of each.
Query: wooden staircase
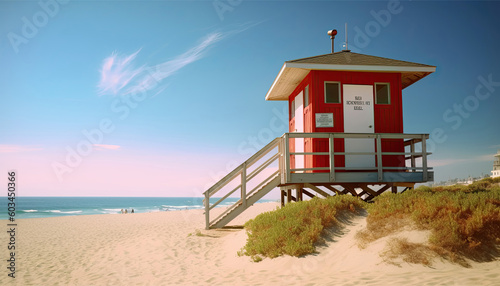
column 236, row 209
column 248, row 198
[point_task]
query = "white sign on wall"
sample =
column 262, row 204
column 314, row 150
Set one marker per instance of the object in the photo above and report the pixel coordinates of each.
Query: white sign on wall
column 324, row 120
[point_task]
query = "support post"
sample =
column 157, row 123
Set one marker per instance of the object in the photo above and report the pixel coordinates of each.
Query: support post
column 288, row 195
column 379, row 159
column 424, row 157
column 207, row 211
column 281, row 162
column 332, row 158
column 412, row 150
column 282, row 197
column 299, row 193
column 244, row 185
column 394, row 189
column 287, row 158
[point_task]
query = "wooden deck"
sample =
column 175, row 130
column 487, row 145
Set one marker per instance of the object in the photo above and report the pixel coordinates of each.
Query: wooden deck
column 253, row 181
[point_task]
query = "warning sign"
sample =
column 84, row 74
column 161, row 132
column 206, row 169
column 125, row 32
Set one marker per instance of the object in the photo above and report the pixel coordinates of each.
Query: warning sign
column 324, row 120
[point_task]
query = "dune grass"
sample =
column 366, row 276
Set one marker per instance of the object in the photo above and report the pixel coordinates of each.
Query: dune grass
column 464, row 222
column 294, row 229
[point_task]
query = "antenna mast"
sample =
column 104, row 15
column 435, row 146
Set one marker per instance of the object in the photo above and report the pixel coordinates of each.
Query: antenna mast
column 346, row 47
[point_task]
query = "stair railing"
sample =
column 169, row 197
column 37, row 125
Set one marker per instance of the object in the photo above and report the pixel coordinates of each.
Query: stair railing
column 242, row 172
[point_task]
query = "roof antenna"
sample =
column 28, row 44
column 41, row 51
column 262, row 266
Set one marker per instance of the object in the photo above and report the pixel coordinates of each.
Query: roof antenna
column 332, row 34
column 346, row 47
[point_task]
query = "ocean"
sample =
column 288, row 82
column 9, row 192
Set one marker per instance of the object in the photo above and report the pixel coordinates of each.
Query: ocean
column 39, row 207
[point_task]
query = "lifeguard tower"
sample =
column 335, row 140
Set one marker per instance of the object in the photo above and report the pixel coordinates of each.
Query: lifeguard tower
column 345, row 134
column 496, row 166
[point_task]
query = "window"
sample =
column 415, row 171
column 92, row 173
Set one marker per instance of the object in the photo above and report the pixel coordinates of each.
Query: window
column 332, row 92
column 306, row 96
column 382, row 93
column 292, row 109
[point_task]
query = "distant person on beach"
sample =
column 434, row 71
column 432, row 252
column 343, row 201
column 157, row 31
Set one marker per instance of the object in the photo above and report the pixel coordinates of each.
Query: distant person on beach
column 123, row 211
column 126, row 211
column 132, row 211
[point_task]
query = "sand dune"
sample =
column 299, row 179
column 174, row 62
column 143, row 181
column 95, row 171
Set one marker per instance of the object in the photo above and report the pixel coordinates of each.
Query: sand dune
column 156, row 249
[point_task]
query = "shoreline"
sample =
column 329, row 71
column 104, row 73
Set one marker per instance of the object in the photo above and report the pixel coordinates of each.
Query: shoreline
column 57, row 208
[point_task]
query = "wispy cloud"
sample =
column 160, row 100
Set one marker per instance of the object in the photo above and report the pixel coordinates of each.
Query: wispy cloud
column 119, row 76
column 117, row 72
column 102, row 147
column 17, row 149
column 485, row 158
column 157, row 73
column 444, row 162
column 452, row 161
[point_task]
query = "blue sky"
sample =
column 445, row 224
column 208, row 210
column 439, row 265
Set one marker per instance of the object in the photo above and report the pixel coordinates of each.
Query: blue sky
column 172, row 92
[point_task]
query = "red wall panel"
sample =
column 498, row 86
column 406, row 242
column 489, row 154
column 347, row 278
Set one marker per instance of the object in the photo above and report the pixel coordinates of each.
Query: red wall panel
column 388, row 118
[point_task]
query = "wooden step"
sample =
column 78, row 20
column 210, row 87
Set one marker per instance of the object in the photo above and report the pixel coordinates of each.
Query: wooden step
column 238, row 208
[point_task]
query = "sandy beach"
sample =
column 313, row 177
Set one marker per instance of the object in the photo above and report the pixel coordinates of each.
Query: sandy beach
column 162, row 249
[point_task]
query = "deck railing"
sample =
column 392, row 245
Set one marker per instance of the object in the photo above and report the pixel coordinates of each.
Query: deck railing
column 410, row 140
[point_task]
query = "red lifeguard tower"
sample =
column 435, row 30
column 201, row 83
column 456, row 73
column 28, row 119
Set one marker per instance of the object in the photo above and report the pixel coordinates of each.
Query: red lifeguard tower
column 345, row 133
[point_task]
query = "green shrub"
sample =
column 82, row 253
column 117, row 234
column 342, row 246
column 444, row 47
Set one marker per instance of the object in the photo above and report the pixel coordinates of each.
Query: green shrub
column 295, row 228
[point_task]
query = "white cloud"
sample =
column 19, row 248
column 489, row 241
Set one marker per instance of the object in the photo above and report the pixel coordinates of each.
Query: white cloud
column 101, row 147
column 17, row 149
column 157, row 73
column 444, row 162
column 452, row 161
column 117, row 72
column 120, row 77
column 485, row 158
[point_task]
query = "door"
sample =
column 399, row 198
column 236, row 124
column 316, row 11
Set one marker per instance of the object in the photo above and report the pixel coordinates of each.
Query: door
column 299, row 127
column 359, row 118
